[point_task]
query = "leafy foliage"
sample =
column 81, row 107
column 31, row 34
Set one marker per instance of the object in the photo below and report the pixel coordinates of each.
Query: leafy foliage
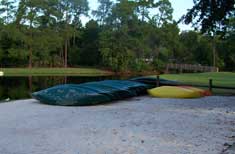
column 124, row 35
column 211, row 15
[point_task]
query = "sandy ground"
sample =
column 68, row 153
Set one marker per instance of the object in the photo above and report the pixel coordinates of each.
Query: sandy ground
column 141, row 125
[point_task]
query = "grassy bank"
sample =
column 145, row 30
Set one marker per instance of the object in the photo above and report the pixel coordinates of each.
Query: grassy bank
column 54, row 72
column 225, row 79
column 219, row 79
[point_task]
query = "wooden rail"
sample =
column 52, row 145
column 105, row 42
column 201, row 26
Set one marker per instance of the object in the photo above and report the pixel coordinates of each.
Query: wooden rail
column 190, row 67
column 210, row 86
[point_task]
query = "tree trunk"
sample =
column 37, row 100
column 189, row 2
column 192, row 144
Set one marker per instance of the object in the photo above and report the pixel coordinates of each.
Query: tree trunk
column 214, row 56
column 74, row 37
column 30, row 57
column 214, row 51
column 66, row 41
column 66, row 54
column 30, row 45
column 61, row 56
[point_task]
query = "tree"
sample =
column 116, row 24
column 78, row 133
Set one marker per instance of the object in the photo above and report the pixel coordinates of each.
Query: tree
column 114, row 49
column 123, row 13
column 190, row 41
column 49, row 39
column 125, row 36
column 49, row 14
column 7, row 10
column 211, row 15
column 228, row 53
column 171, row 41
column 71, row 11
column 103, row 11
column 116, row 42
column 90, row 45
column 29, row 18
column 142, row 8
column 226, row 47
column 203, row 54
column 165, row 14
column 12, row 46
column 35, row 19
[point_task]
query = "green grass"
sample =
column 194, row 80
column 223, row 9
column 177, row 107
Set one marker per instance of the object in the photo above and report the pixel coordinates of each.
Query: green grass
column 224, row 79
column 54, row 72
column 219, row 79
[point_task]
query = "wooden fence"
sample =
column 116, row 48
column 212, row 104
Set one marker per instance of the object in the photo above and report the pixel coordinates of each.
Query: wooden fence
column 190, row 67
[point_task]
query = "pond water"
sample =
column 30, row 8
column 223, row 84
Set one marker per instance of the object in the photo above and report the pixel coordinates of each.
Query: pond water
column 14, row 88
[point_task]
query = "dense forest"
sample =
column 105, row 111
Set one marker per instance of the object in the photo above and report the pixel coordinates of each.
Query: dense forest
column 122, row 35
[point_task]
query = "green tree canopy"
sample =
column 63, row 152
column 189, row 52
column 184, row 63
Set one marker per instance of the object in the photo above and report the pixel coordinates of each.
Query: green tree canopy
column 210, row 15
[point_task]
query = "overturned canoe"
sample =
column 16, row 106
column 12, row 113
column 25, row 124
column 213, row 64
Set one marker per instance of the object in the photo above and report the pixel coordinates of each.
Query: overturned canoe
column 69, row 95
column 90, row 93
column 152, row 81
column 174, row 92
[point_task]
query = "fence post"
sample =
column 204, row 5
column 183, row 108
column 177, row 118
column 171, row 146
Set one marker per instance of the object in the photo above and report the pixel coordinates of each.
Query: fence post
column 158, row 81
column 210, row 85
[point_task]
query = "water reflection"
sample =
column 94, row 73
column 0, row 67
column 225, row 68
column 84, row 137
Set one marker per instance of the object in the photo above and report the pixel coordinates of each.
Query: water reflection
column 13, row 88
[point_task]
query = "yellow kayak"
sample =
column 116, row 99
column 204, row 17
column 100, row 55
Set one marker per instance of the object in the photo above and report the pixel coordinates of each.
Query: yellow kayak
column 201, row 91
column 174, row 92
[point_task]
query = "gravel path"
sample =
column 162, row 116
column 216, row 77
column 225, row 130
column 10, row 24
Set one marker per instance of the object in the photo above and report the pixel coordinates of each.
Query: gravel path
column 141, row 125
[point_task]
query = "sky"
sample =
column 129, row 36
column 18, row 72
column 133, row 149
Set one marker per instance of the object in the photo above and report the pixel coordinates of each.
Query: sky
column 180, row 7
